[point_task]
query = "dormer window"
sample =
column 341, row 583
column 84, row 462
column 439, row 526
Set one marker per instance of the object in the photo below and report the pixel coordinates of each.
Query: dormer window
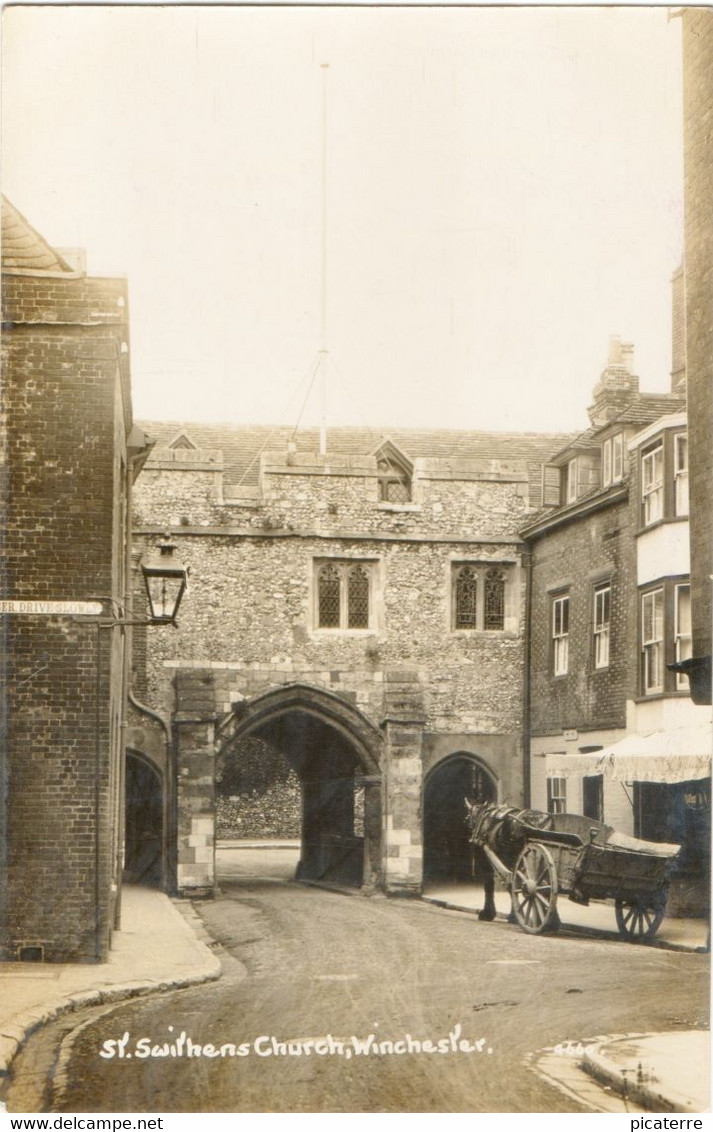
column 613, row 460
column 571, row 481
column 580, row 475
column 617, row 457
column 394, row 474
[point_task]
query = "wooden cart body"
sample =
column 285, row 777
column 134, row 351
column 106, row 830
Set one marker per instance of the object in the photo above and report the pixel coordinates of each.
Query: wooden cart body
column 541, row 855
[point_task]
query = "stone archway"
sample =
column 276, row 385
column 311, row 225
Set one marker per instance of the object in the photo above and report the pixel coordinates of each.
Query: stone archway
column 144, row 845
column 448, row 854
column 334, row 750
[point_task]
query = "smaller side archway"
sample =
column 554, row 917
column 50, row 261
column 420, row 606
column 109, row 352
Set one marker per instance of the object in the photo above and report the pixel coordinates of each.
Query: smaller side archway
column 448, row 855
column 144, row 845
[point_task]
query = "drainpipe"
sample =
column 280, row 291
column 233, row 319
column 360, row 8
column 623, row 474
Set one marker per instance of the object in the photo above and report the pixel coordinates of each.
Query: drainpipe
column 526, row 698
column 138, row 449
column 126, row 659
column 97, row 800
column 120, row 814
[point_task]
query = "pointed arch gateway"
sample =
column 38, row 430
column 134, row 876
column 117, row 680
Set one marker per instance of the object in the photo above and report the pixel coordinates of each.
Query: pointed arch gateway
column 335, row 751
column 448, row 854
column 144, row 822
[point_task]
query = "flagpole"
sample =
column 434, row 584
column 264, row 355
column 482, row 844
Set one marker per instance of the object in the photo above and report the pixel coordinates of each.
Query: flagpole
column 323, row 351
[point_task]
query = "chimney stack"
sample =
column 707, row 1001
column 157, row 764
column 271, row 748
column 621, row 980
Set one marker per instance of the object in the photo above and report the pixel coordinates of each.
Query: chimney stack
column 627, row 356
column 614, row 357
column 617, row 385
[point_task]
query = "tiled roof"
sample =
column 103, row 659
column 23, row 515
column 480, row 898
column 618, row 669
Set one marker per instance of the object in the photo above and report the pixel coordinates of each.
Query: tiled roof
column 586, row 439
column 241, row 445
column 648, row 406
column 642, row 410
column 551, row 516
column 23, row 249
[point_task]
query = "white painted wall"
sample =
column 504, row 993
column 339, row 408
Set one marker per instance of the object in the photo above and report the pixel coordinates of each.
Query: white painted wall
column 663, row 552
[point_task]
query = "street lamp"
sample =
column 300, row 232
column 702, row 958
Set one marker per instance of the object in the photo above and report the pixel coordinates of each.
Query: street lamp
column 166, row 580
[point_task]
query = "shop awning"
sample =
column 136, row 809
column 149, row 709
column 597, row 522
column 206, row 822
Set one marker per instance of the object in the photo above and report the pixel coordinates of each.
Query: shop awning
column 682, row 754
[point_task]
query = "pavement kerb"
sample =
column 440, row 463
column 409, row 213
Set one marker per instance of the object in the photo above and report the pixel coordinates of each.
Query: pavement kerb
column 576, row 929
column 607, row 1072
column 24, row 1025
column 14, row 1035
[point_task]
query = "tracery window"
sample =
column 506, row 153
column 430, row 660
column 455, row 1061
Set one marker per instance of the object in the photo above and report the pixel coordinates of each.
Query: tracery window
column 328, row 589
column 344, row 595
column 466, row 598
column 479, row 596
column 357, row 598
column 494, row 600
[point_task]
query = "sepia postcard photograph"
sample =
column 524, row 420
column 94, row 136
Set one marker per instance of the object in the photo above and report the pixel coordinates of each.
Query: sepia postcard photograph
column 357, row 554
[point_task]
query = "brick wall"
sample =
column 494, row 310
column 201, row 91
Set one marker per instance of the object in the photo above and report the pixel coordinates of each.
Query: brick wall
column 698, row 161
column 65, row 396
column 678, row 334
column 572, row 559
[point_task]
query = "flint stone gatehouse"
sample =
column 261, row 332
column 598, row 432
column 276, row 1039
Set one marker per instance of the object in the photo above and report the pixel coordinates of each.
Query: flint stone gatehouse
column 361, row 612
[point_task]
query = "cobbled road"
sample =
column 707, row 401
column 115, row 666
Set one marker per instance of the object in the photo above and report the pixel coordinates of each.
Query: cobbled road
column 302, row 963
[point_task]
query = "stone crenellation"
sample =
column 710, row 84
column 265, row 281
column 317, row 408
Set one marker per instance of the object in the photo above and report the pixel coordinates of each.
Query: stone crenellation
column 250, row 625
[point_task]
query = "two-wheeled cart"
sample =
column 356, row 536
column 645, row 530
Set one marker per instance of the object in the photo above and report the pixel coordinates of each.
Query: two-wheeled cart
column 542, row 856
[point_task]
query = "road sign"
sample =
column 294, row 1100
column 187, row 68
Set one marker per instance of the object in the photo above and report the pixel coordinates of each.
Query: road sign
column 51, row 608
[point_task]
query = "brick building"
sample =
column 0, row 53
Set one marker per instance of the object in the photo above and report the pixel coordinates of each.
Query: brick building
column 698, row 200
column 614, row 734
column 363, row 613
column 69, row 453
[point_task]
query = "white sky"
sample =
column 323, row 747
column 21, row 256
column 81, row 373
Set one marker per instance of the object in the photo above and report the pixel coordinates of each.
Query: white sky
column 505, row 191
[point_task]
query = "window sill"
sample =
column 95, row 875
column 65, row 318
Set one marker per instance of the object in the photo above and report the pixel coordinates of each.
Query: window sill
column 674, row 694
column 400, row 508
column 498, row 634
column 344, row 632
column 661, row 523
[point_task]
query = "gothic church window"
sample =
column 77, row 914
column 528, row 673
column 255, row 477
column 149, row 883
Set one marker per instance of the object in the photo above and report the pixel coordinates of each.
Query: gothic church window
column 466, row 596
column 479, row 596
column 344, row 595
column 494, row 600
column 329, row 588
column 358, row 598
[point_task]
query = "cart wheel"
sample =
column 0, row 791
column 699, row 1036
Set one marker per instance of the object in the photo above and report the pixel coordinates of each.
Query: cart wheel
column 639, row 920
column 534, row 890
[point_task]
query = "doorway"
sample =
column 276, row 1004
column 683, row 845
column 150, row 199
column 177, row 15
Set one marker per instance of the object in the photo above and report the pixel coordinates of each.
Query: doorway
column 448, row 855
column 143, row 846
column 315, row 742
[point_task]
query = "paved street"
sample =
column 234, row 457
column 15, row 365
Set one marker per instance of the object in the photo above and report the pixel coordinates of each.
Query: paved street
column 302, row 963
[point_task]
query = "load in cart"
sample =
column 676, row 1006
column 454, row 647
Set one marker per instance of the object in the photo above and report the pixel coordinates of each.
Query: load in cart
column 544, row 856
